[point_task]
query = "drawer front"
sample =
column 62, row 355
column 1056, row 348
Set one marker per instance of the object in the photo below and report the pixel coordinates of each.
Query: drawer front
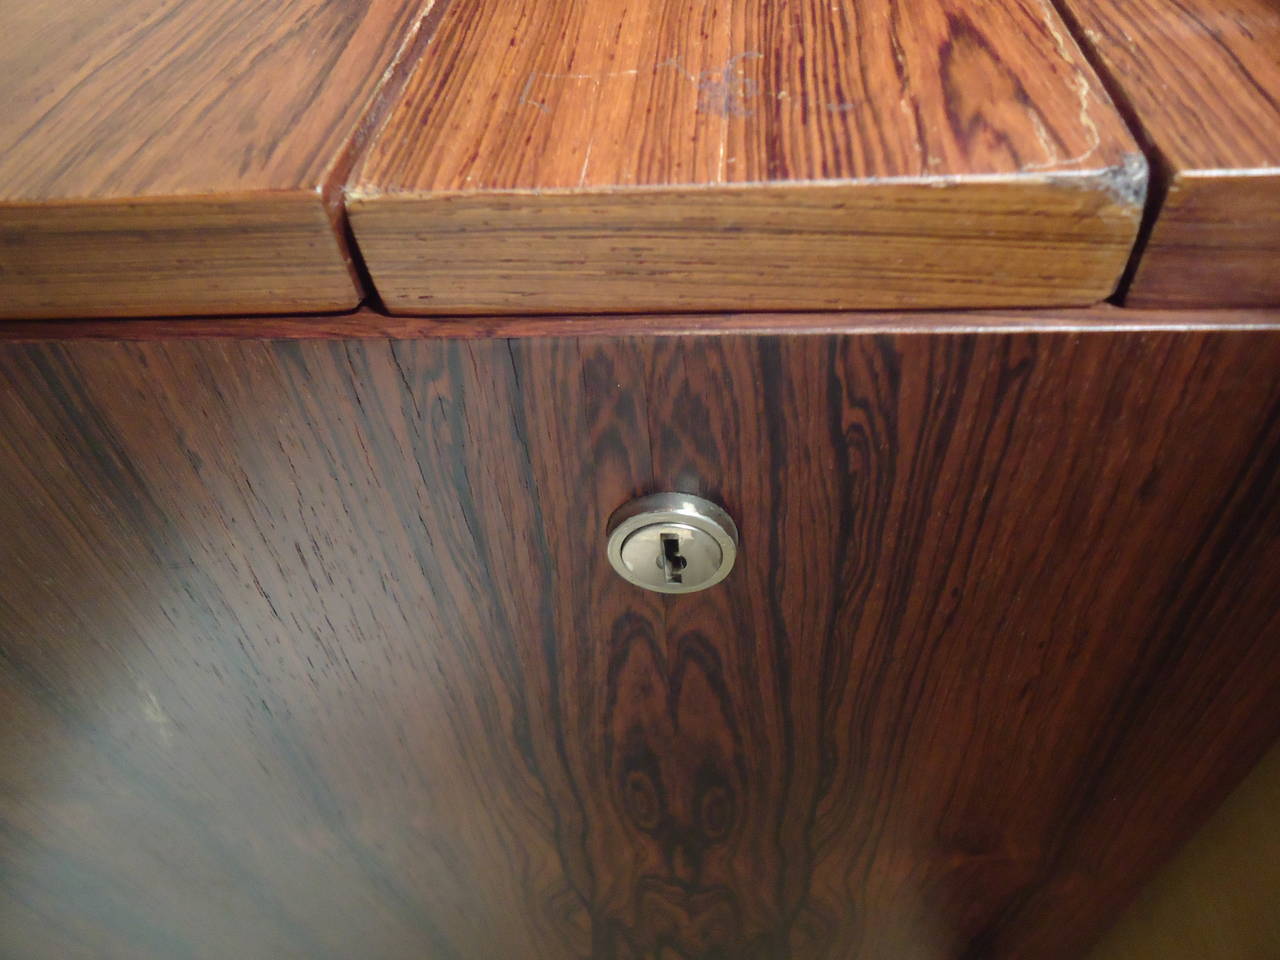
column 312, row 648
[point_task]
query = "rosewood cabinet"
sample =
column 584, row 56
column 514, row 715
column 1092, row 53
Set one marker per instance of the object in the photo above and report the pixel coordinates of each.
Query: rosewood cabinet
column 309, row 644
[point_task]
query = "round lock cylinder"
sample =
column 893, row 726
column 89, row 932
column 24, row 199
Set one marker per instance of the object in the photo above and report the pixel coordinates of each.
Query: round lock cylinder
column 672, row 543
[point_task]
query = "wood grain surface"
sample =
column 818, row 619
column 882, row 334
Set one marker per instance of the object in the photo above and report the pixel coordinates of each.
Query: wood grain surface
column 169, row 157
column 310, row 648
column 680, row 155
column 1201, row 80
column 368, row 324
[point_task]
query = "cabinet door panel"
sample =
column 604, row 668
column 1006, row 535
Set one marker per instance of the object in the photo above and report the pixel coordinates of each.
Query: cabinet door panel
column 311, row 648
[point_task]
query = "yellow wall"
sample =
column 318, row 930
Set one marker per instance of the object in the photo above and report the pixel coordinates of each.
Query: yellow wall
column 1219, row 899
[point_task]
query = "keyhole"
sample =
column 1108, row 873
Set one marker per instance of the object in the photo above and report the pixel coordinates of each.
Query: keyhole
column 672, row 562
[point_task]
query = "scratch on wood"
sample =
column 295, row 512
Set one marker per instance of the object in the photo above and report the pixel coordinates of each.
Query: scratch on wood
column 528, row 88
column 727, row 91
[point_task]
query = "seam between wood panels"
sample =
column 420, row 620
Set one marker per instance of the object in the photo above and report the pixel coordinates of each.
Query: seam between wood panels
column 369, row 123
column 1161, row 171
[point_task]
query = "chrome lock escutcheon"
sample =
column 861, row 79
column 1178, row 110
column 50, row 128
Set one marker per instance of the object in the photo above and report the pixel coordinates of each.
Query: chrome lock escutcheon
column 672, row 543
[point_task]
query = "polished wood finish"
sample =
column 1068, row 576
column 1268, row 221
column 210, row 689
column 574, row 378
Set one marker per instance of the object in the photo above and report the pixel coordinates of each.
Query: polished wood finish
column 162, row 157
column 1201, row 80
column 1217, row 899
column 679, row 155
column 309, row 648
column 367, row 324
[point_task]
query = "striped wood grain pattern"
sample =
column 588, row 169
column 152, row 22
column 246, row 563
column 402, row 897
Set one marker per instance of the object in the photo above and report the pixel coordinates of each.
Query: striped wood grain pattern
column 309, row 648
column 717, row 154
column 162, row 157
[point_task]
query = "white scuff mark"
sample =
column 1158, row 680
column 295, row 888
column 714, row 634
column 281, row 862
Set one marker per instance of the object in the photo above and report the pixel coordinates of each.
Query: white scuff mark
column 675, row 64
column 586, row 162
column 908, row 111
column 1042, row 135
column 1071, row 55
column 528, row 88
column 728, row 90
column 155, row 715
column 593, row 77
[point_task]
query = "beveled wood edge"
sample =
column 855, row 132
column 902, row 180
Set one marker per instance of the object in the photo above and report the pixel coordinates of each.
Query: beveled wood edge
column 327, row 191
column 366, row 324
column 236, row 224
column 1164, row 173
column 1257, row 194
column 369, row 123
